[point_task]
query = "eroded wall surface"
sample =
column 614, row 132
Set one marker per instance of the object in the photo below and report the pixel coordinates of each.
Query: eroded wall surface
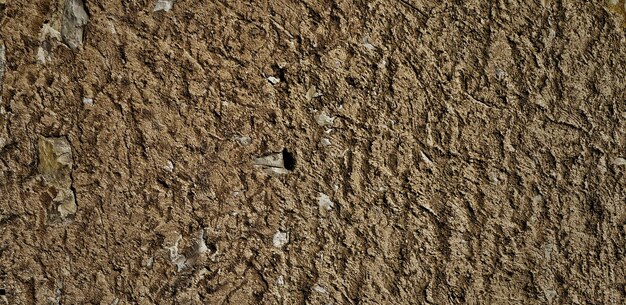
column 312, row 152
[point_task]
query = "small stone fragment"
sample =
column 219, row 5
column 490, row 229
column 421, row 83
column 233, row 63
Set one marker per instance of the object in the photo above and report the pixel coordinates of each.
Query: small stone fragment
column 149, row 262
column 48, row 32
column 280, row 239
column 312, row 93
column 426, row 160
column 273, row 160
column 172, row 239
column 42, row 56
column 87, row 101
column 169, row 166
column 55, row 165
column 200, row 244
column 367, row 44
column 550, row 294
column 163, row 5
column 500, row 74
column 182, row 258
column 548, row 248
column 55, row 159
column 280, row 281
column 324, row 202
column 47, row 37
column 73, row 22
column 323, row 119
column 319, row 289
column 276, row 164
column 273, row 80
column 276, row 171
column 325, row 142
column 619, row 161
column 66, row 203
column 244, row 140
column 176, row 258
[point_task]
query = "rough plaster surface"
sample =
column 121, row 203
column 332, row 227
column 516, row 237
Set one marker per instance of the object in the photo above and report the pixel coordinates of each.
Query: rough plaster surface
column 422, row 152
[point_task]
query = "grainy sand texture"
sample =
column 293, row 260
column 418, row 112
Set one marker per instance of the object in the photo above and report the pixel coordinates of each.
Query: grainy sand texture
column 312, row 152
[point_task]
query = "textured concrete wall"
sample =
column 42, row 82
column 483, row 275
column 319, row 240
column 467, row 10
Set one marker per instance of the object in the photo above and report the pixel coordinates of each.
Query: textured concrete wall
column 312, row 152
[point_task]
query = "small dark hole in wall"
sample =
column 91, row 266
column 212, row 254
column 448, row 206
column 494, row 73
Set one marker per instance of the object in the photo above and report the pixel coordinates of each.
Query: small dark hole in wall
column 280, row 71
column 2, row 291
column 212, row 247
column 288, row 160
